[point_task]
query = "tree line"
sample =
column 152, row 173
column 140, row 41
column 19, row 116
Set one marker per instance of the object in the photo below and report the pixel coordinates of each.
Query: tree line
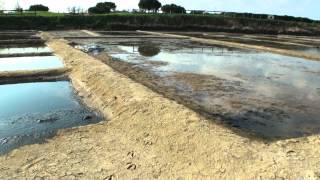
column 144, row 5
column 154, row 6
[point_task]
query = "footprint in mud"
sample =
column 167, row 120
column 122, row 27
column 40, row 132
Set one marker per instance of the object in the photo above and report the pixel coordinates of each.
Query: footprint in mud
column 47, row 120
column 3, row 141
column 131, row 166
column 111, row 177
column 130, row 154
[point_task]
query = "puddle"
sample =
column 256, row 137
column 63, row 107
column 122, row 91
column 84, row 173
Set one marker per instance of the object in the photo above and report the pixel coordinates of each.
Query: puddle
column 24, row 50
column 31, row 112
column 30, row 63
column 313, row 51
column 266, row 94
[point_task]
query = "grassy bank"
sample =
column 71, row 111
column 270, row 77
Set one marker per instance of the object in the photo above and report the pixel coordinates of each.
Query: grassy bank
column 157, row 22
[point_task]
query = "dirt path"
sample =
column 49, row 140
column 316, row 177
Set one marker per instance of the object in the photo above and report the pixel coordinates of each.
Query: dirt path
column 90, row 33
column 147, row 137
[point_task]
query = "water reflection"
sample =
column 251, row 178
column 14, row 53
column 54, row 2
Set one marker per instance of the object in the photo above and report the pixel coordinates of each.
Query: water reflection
column 269, row 94
column 31, row 112
column 30, row 63
column 148, row 50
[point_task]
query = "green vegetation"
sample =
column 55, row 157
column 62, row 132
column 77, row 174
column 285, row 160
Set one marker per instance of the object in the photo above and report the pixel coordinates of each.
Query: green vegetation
column 267, row 16
column 38, row 7
column 149, row 5
column 33, row 13
column 152, row 21
column 103, row 8
column 172, row 8
column 197, row 12
column 174, row 17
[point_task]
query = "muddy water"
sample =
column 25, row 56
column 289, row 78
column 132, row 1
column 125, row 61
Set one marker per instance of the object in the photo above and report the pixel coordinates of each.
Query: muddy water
column 30, row 63
column 31, row 112
column 269, row 95
column 24, row 50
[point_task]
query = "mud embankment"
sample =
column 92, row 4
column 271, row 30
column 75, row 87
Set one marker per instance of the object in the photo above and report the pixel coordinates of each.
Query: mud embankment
column 34, row 75
column 149, row 136
column 165, row 22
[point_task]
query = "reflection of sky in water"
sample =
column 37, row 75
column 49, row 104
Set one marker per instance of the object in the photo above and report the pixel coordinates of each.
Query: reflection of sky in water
column 314, row 51
column 24, row 50
column 44, row 97
column 30, row 63
column 271, row 75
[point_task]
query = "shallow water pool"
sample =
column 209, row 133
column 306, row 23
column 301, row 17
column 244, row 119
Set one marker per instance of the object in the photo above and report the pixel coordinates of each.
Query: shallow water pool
column 30, row 63
column 31, row 112
column 267, row 94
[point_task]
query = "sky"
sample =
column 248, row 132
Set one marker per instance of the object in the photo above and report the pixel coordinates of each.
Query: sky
column 300, row 8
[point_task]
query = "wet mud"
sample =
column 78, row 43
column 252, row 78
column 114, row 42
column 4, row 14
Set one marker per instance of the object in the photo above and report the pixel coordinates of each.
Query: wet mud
column 33, row 112
column 36, row 97
column 244, row 98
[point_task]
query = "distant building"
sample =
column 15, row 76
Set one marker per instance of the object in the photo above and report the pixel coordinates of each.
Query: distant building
column 271, row 17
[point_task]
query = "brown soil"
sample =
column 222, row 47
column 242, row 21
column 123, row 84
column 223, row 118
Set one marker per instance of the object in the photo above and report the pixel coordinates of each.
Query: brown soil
column 149, row 137
column 34, row 75
column 26, row 54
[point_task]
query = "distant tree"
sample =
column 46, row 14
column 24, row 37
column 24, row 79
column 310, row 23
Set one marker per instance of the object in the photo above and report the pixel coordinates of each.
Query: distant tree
column 75, row 10
column 197, row 12
column 148, row 50
column 111, row 5
column 72, row 10
column 102, row 8
column 38, row 7
column 150, row 5
column 172, row 8
column 18, row 8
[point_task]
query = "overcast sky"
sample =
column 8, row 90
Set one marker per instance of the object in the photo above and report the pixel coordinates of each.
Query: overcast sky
column 303, row 8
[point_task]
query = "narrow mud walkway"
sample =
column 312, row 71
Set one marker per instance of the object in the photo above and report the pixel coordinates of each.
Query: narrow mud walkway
column 147, row 137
